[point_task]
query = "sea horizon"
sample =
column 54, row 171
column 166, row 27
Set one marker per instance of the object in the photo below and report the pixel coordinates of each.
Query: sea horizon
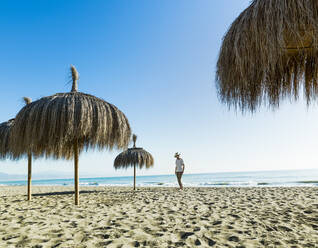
column 266, row 178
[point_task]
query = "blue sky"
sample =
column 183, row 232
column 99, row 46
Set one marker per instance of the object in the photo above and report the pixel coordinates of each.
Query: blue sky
column 155, row 60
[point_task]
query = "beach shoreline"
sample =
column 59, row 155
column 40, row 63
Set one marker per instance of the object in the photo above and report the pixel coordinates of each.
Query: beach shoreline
column 287, row 178
column 159, row 217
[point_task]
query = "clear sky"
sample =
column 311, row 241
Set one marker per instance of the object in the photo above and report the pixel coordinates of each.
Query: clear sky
column 155, row 60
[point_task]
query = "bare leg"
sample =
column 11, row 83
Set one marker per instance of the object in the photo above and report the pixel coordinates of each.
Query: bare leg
column 180, row 180
column 179, row 175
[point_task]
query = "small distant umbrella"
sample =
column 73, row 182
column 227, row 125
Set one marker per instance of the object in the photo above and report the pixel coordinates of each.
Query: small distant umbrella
column 6, row 151
column 269, row 52
column 62, row 125
column 133, row 157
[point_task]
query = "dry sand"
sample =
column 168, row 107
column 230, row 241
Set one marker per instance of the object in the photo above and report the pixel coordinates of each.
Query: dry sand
column 159, row 217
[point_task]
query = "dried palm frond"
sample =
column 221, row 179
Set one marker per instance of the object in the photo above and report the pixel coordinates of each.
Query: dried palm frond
column 269, row 53
column 27, row 100
column 75, row 78
column 134, row 138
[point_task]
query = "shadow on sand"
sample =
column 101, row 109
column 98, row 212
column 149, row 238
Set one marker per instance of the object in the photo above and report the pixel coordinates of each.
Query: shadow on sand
column 66, row 193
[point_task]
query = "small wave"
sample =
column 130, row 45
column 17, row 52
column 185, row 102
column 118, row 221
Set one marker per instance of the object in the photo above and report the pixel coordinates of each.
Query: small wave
column 307, row 182
column 114, row 185
column 214, row 184
column 89, row 184
column 228, row 184
column 162, row 184
column 262, row 183
column 13, row 184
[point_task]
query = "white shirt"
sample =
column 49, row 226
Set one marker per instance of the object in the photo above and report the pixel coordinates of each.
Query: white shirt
column 179, row 165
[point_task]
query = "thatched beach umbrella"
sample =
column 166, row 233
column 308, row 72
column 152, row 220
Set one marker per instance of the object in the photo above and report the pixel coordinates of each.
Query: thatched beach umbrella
column 62, row 125
column 135, row 156
column 269, row 53
column 5, row 129
column 6, row 151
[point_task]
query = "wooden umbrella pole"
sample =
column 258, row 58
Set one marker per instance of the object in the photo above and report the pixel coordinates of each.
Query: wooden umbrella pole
column 29, row 175
column 134, row 177
column 76, row 172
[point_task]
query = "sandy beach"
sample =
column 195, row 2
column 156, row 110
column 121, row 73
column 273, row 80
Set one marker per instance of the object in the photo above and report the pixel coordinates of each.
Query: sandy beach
column 159, row 217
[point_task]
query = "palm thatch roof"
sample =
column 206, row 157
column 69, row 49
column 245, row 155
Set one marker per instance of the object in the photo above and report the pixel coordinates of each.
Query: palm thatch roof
column 50, row 126
column 270, row 52
column 5, row 129
column 135, row 156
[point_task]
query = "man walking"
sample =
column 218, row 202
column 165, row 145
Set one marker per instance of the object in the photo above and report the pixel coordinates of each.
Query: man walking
column 179, row 168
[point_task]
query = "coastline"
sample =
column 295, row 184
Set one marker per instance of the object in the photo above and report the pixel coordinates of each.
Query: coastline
column 291, row 178
column 159, row 217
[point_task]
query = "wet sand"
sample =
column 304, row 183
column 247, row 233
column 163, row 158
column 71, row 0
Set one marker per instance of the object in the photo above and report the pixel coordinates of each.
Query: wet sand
column 159, row 217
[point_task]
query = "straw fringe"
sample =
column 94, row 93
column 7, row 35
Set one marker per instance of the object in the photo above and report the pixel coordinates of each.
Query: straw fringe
column 269, row 53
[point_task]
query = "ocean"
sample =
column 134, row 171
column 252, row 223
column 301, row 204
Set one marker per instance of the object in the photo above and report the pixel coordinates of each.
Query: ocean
column 289, row 178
